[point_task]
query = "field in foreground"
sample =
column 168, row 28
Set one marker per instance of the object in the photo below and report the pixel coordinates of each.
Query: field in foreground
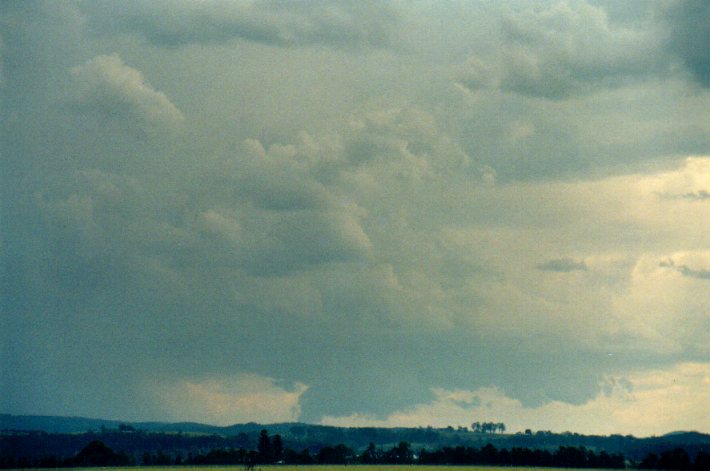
column 383, row 467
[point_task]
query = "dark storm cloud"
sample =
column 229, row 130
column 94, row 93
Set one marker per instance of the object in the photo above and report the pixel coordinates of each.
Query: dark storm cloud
column 420, row 360
column 276, row 245
column 689, row 25
column 342, row 25
column 346, row 229
column 572, row 49
column 97, row 212
column 563, row 66
column 562, row 265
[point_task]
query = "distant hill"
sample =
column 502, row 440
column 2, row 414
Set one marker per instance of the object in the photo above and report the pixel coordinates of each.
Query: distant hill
column 57, row 424
column 66, row 435
column 53, row 424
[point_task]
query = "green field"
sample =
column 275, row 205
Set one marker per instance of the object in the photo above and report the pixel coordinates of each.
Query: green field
column 383, row 467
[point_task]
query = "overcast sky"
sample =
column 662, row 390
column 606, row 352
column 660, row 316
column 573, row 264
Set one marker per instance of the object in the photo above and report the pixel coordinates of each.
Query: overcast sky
column 357, row 213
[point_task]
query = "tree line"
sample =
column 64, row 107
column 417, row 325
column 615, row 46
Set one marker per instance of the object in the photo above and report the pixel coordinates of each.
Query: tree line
column 487, row 427
column 271, row 450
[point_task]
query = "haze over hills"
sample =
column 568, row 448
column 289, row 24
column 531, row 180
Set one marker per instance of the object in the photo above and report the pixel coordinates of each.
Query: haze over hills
column 61, row 424
column 57, row 424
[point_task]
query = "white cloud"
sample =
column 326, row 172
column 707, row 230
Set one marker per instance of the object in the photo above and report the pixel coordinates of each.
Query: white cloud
column 109, row 87
column 644, row 403
column 692, row 178
column 227, row 401
column 607, row 282
column 667, row 302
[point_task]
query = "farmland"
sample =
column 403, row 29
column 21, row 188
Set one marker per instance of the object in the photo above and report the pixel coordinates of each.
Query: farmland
column 327, row 468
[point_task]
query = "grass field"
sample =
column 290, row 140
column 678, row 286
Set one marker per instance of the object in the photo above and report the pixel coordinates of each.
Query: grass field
column 383, row 467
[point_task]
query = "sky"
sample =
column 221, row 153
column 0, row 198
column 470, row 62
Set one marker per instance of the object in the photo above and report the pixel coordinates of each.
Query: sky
column 357, row 213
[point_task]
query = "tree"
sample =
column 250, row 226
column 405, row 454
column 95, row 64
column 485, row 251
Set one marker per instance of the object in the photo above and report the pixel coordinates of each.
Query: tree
column 650, row 461
column 370, row 455
column 97, row 454
column 488, row 427
column 339, row 454
column 264, row 447
column 400, row 454
column 702, row 461
column 674, row 459
column 277, row 448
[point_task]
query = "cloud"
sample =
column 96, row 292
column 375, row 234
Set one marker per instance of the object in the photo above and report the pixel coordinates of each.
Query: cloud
column 562, row 265
column 334, row 193
column 666, row 302
column 621, row 297
column 403, row 146
column 228, row 401
column 690, row 182
column 566, row 50
column 699, row 274
column 275, row 217
column 698, row 195
column 279, row 178
column 310, row 237
column 341, row 25
column 572, row 49
column 2, row 62
column 645, row 403
column 684, row 270
column 383, row 279
column 109, row 88
column 689, row 24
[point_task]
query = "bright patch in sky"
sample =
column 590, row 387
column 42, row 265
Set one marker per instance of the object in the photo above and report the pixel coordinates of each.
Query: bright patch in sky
column 242, row 399
column 644, row 404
